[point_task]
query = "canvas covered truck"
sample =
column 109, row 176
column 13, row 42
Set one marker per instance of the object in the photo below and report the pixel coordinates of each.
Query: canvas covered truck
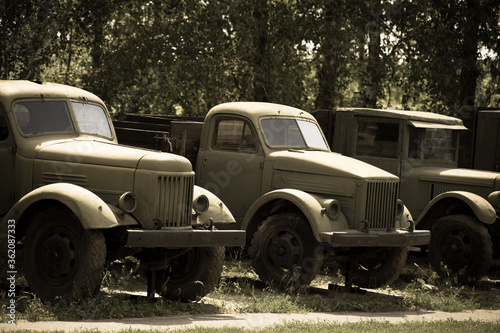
column 72, row 199
column 459, row 205
column 299, row 203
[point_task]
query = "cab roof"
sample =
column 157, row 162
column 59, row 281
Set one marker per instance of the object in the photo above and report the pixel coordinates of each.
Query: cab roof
column 11, row 90
column 256, row 110
column 404, row 114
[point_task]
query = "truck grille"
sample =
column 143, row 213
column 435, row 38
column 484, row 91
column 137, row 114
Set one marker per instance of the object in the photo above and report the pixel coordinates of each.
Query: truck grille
column 174, row 200
column 381, row 204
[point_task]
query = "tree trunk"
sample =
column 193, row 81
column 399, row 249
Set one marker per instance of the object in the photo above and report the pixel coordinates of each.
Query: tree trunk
column 469, row 71
column 261, row 81
column 328, row 68
column 373, row 79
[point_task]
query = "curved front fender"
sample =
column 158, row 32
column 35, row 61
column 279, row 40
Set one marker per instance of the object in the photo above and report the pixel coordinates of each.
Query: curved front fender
column 91, row 210
column 480, row 206
column 217, row 211
column 305, row 202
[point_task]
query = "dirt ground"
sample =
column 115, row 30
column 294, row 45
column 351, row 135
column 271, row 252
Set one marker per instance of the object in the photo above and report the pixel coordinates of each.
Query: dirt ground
column 249, row 321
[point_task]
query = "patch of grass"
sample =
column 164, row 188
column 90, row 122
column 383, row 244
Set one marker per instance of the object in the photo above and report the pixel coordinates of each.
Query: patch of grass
column 240, row 290
column 114, row 301
column 114, row 306
column 271, row 302
column 428, row 291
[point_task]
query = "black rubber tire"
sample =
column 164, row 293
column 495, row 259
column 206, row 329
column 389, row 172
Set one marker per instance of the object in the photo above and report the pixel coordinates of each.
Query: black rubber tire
column 191, row 275
column 285, row 254
column 61, row 258
column 377, row 269
column 463, row 245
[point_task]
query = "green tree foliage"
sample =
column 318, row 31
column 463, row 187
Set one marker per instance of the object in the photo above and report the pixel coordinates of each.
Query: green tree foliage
column 27, row 33
column 441, row 49
column 334, row 38
column 185, row 56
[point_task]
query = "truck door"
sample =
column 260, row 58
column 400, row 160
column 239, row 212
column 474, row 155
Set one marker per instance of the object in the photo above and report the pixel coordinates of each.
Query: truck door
column 378, row 142
column 232, row 164
column 7, row 157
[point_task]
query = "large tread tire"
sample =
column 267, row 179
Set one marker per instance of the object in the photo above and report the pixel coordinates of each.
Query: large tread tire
column 285, row 254
column 378, row 269
column 461, row 244
column 61, row 258
column 191, row 275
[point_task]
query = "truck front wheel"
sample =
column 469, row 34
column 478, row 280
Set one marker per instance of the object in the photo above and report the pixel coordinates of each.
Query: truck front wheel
column 378, row 268
column 463, row 245
column 191, row 275
column 285, row 252
column 61, row 258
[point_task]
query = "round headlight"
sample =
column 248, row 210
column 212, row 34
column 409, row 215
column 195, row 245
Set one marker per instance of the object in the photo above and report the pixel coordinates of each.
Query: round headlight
column 201, row 204
column 127, row 202
column 494, row 199
column 333, row 209
column 400, row 209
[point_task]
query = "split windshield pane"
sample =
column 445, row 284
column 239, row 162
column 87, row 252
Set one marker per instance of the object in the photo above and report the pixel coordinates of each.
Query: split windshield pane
column 290, row 133
column 43, row 117
column 91, row 119
column 433, row 144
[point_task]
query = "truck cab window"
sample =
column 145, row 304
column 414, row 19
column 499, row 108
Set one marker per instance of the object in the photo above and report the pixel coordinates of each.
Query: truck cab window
column 234, row 134
column 377, row 139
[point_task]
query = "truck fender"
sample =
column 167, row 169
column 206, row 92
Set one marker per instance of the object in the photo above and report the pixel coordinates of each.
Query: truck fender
column 217, row 210
column 305, row 202
column 481, row 208
column 91, row 210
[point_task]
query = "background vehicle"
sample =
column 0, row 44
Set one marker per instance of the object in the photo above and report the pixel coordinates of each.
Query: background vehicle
column 297, row 201
column 460, row 206
column 72, row 199
column 480, row 145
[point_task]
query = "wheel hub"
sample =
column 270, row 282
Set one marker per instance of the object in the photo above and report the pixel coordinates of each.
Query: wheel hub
column 457, row 249
column 58, row 256
column 284, row 250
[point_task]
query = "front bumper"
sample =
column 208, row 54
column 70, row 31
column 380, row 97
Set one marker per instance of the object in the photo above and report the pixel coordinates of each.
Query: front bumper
column 354, row 238
column 178, row 238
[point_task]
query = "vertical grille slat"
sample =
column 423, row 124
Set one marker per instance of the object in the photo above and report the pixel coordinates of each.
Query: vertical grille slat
column 381, row 202
column 174, row 200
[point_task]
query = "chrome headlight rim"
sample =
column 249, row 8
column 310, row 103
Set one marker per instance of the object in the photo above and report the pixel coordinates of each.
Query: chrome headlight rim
column 400, row 209
column 127, row 202
column 201, row 204
column 333, row 209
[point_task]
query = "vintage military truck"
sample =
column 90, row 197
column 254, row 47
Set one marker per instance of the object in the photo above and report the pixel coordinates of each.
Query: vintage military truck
column 460, row 206
column 480, row 145
column 71, row 199
column 297, row 201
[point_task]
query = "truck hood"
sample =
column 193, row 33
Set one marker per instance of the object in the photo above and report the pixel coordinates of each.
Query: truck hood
column 467, row 177
column 326, row 163
column 106, row 153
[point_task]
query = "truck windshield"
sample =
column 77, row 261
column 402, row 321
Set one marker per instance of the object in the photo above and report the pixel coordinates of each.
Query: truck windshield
column 91, row 119
column 36, row 117
column 293, row 133
column 43, row 117
column 433, row 144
